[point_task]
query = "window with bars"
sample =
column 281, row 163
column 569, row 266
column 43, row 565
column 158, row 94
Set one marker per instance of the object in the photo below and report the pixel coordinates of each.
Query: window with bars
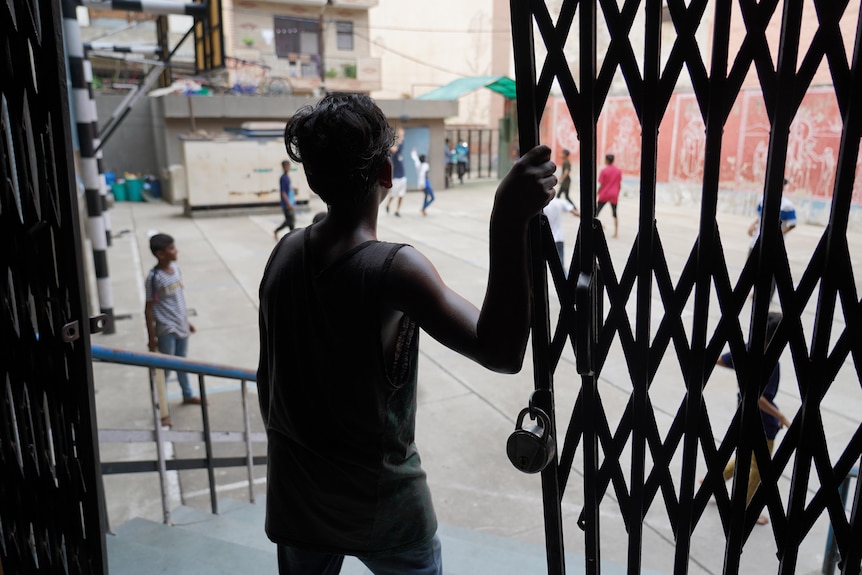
column 344, row 35
column 298, row 40
column 295, row 37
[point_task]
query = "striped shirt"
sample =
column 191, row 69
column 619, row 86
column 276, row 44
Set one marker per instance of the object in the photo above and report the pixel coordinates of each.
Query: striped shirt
column 165, row 290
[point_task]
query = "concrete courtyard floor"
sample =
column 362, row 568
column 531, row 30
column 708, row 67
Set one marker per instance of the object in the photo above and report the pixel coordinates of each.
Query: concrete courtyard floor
column 467, row 412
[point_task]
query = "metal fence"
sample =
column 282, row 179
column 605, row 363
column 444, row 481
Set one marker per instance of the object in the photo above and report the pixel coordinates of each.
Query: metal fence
column 659, row 315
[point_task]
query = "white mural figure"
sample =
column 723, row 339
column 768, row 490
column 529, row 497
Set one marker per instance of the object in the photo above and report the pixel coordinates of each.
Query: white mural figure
column 801, row 157
column 626, row 144
column 758, row 162
column 692, row 149
column 565, row 135
column 567, row 138
column 827, row 173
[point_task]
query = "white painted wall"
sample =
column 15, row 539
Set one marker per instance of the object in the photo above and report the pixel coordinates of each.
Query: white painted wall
column 224, row 172
column 425, row 45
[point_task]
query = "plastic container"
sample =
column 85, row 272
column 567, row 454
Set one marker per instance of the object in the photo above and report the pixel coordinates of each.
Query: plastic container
column 153, row 187
column 135, row 187
column 120, row 191
column 110, row 178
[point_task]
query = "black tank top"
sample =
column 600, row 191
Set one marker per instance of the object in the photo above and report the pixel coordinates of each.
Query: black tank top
column 344, row 474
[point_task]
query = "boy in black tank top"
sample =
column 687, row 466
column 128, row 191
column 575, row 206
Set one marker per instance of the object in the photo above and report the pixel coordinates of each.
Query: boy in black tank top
column 340, row 314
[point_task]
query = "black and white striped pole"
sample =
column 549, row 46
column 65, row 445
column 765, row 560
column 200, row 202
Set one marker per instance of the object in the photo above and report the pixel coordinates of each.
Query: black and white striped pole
column 97, row 149
column 85, row 121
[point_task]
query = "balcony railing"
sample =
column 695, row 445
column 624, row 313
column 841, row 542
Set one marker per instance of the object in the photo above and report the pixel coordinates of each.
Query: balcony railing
column 352, row 74
column 361, row 4
column 302, row 2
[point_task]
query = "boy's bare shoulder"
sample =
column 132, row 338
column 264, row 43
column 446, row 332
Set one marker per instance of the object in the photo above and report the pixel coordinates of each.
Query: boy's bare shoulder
column 411, row 270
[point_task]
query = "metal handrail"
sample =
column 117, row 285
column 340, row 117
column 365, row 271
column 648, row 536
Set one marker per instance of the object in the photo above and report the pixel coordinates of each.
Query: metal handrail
column 155, row 361
column 170, row 362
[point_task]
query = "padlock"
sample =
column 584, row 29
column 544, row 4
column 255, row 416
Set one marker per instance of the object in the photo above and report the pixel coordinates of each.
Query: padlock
column 531, row 448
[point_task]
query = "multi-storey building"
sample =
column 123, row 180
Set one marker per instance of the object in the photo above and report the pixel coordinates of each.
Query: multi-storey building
column 289, row 51
column 302, row 46
column 423, row 46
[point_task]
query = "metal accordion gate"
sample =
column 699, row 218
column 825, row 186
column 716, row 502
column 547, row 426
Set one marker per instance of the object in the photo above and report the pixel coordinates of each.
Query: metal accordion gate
column 51, row 505
column 641, row 465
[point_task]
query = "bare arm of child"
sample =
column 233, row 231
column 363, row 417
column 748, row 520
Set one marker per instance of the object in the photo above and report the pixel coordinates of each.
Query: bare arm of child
column 152, row 342
column 496, row 336
column 766, row 406
column 753, row 227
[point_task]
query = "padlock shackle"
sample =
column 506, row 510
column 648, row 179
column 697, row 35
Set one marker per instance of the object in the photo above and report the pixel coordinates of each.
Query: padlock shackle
column 535, row 413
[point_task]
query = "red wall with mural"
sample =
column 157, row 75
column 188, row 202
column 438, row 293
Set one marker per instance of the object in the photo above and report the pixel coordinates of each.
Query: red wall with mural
column 811, row 156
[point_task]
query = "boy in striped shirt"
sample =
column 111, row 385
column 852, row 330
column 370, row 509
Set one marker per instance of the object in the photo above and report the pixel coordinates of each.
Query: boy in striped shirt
column 168, row 326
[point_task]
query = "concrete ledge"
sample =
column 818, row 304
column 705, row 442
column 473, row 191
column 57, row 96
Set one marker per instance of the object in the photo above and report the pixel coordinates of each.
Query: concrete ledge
column 281, row 107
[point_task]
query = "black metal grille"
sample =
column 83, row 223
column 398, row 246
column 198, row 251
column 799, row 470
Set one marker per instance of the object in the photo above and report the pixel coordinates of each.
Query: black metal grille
column 703, row 285
column 50, row 489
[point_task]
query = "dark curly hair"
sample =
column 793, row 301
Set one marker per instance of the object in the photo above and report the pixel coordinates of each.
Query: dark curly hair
column 342, row 142
column 160, row 242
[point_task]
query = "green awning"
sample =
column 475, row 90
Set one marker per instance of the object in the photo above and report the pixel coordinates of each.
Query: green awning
column 457, row 88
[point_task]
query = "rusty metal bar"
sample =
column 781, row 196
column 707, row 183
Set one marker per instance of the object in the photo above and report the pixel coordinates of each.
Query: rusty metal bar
column 249, row 452
column 155, row 393
column 208, row 444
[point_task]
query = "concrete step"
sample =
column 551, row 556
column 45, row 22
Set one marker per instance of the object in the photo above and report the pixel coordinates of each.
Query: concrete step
column 465, row 552
column 241, row 523
column 144, row 547
column 235, row 542
column 224, row 528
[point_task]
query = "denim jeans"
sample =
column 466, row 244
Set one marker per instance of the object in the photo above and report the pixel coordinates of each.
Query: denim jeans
column 172, row 344
column 429, row 196
column 424, row 560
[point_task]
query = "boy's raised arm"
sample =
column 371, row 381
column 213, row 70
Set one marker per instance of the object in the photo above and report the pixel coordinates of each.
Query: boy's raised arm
column 504, row 322
column 496, row 336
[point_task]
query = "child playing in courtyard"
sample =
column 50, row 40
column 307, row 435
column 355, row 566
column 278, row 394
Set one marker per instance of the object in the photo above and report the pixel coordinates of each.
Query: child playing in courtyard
column 422, row 169
column 168, row 326
column 287, row 197
column 772, row 418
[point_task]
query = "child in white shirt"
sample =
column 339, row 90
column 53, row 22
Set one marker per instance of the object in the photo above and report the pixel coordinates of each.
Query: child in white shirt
column 422, row 168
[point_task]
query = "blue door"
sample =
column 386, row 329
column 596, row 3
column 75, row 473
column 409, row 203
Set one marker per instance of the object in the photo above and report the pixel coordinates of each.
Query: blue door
column 420, row 139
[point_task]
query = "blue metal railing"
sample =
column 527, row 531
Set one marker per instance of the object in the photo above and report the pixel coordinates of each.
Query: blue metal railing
column 156, row 362
column 170, row 362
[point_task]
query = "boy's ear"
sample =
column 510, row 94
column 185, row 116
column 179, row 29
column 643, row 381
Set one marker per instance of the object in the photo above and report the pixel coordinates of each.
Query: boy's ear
column 385, row 176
